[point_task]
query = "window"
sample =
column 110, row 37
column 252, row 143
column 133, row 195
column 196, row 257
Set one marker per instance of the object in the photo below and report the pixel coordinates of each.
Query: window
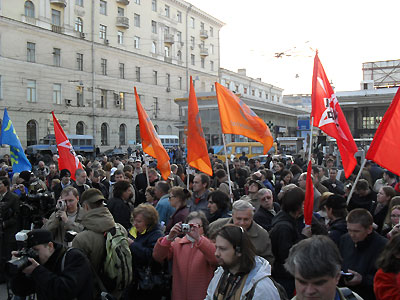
column 180, row 82
column 203, row 62
column 138, row 140
column 30, row 52
column 79, row 24
column 166, row 30
column 136, row 42
column 79, row 2
column 31, row 90
column 168, row 80
column 122, row 100
column 211, row 31
column 179, row 55
column 80, row 128
column 104, row 66
column 120, row 37
column 136, row 20
column 211, row 49
column 56, row 57
column 166, row 11
column 179, row 16
column 192, row 22
column 155, row 80
column 260, row 94
column 153, row 47
column 252, row 92
column 31, row 133
column 29, row 9
column 137, row 2
column 192, row 42
column 137, row 71
column 103, row 7
column 56, row 17
column 192, row 59
column 104, row 134
column 57, row 93
column 121, row 12
column 1, row 90
column 153, row 26
column 122, row 134
column 79, row 61
column 245, row 90
column 212, row 65
column 201, row 26
column 103, row 99
column 166, row 51
column 79, row 96
column 122, row 71
column 179, row 36
column 154, row 5
column 103, row 32
column 155, row 109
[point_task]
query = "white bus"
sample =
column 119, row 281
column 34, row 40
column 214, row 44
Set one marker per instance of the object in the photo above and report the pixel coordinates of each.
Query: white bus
column 169, row 141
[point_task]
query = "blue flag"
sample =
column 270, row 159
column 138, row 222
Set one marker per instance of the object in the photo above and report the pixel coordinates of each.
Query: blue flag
column 9, row 137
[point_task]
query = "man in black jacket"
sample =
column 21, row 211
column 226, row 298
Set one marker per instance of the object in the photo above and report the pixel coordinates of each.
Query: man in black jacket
column 268, row 209
column 56, row 273
column 336, row 212
column 9, row 211
column 359, row 248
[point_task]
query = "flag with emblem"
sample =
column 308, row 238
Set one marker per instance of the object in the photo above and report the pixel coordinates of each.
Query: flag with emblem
column 9, row 136
column 67, row 156
column 329, row 117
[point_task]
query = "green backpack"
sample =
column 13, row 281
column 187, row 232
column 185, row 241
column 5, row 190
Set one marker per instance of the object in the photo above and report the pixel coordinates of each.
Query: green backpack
column 117, row 268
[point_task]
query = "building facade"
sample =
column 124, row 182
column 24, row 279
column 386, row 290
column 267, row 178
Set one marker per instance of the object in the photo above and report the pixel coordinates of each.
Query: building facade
column 82, row 59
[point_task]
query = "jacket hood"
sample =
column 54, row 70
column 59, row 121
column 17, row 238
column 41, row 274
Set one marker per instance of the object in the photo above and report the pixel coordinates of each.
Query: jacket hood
column 98, row 220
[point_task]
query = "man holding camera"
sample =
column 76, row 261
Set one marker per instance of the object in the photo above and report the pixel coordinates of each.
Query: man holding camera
column 9, row 210
column 55, row 271
column 68, row 215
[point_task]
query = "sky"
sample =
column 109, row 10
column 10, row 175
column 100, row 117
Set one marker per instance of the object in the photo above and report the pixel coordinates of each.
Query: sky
column 345, row 32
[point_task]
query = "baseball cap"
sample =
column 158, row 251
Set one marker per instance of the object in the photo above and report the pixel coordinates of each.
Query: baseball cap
column 92, row 195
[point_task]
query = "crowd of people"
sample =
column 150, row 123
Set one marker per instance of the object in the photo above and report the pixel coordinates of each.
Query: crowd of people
column 239, row 234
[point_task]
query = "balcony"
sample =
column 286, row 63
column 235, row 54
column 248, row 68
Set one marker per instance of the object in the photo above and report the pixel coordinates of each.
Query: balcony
column 168, row 59
column 123, row 2
column 62, row 3
column 123, row 22
column 57, row 29
column 169, row 38
column 203, row 34
column 203, row 51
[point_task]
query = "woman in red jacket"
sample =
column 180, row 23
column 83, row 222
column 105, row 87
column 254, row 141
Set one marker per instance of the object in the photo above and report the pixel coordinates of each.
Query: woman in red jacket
column 387, row 278
column 193, row 259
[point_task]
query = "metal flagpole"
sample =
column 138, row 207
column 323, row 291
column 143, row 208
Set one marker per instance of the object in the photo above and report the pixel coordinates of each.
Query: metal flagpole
column 227, row 166
column 146, row 161
column 355, row 182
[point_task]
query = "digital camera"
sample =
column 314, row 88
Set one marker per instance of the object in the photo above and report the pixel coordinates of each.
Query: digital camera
column 16, row 265
column 186, row 228
column 61, row 205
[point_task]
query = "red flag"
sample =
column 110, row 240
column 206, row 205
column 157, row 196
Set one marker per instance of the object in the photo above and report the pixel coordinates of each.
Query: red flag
column 237, row 118
column 328, row 117
column 386, row 143
column 309, row 199
column 151, row 143
column 197, row 154
column 67, row 159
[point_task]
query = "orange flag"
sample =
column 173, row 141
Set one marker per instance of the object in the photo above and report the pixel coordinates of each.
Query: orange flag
column 68, row 159
column 386, row 143
column 151, row 143
column 237, row 118
column 197, row 154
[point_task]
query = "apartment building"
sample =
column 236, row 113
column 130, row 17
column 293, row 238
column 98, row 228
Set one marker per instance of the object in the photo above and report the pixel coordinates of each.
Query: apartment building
column 82, row 59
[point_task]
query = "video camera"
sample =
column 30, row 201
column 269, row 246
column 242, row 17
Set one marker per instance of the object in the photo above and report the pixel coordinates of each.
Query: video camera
column 34, row 207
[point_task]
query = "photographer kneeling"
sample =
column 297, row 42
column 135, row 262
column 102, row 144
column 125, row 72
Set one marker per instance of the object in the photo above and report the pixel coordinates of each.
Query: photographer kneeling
column 68, row 215
column 54, row 273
